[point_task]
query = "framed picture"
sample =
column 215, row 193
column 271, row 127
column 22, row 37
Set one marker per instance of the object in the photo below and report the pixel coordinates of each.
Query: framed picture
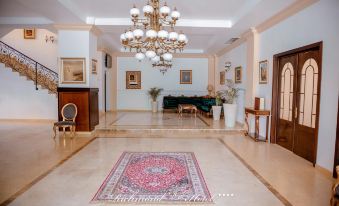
column 29, row 33
column 133, row 79
column 73, row 70
column 263, row 72
column 222, row 78
column 94, row 66
column 185, row 76
column 238, row 75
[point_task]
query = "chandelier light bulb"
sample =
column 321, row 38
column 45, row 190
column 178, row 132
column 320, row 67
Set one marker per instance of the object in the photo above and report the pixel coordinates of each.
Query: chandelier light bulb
column 156, row 59
column 165, row 10
column 138, row 33
column 163, row 34
column 123, row 37
column 151, row 34
column 173, row 36
column 175, row 14
column 129, row 35
column 147, row 9
column 167, row 56
column 182, row 38
column 150, row 54
column 134, row 12
column 139, row 56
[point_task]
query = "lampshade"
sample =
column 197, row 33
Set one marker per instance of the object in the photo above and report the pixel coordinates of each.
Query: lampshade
column 210, row 87
column 139, row 56
column 173, row 36
column 147, row 9
column 182, row 38
column 123, row 37
column 151, row 34
column 150, row 54
column 129, row 35
column 156, row 59
column 138, row 33
column 165, row 10
column 167, row 56
column 134, row 12
column 163, row 34
column 175, row 14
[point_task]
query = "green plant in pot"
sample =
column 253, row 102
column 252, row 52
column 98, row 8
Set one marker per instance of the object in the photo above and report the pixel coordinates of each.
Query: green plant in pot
column 154, row 93
column 216, row 109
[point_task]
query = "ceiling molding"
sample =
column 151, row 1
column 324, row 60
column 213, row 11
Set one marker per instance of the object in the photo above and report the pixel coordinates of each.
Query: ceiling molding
column 24, row 20
column 79, row 27
column 206, row 23
column 284, row 14
column 177, row 55
column 289, row 11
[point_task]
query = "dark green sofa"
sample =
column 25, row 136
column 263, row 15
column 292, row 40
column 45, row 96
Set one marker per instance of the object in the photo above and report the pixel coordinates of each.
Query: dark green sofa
column 204, row 104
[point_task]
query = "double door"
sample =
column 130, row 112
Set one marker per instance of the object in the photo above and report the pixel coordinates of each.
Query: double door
column 298, row 102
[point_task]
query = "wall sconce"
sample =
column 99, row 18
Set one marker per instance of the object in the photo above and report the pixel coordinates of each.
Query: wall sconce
column 49, row 38
column 227, row 66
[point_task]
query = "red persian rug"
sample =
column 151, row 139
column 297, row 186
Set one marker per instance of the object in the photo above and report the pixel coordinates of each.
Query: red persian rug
column 154, row 177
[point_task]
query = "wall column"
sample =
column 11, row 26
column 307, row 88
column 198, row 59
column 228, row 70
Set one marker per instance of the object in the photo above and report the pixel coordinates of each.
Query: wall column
column 252, row 39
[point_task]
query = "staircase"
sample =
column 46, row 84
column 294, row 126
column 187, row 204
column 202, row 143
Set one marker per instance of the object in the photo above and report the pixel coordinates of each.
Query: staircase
column 32, row 70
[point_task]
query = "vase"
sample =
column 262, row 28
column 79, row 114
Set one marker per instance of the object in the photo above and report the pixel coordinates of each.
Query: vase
column 216, row 112
column 154, row 106
column 230, row 114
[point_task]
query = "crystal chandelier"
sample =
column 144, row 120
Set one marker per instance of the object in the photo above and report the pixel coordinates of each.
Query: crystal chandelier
column 158, row 45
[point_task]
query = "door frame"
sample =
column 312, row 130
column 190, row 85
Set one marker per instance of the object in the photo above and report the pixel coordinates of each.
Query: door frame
column 276, row 91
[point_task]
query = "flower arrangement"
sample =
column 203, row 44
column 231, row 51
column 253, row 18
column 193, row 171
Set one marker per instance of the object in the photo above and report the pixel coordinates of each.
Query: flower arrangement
column 154, row 92
column 230, row 94
column 218, row 100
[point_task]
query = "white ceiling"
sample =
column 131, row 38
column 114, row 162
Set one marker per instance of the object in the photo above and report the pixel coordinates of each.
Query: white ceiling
column 207, row 23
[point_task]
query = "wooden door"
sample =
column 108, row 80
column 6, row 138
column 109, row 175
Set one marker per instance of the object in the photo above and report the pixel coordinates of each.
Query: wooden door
column 307, row 107
column 287, row 84
column 296, row 116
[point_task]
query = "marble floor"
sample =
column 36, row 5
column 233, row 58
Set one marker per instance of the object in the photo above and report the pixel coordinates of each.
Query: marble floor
column 28, row 151
column 36, row 170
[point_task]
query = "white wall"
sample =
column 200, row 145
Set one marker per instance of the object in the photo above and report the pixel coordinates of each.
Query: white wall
column 74, row 44
column 318, row 22
column 238, row 57
column 37, row 49
column 151, row 77
column 20, row 100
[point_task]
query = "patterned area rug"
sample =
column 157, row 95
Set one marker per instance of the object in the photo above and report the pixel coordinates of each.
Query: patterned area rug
column 159, row 177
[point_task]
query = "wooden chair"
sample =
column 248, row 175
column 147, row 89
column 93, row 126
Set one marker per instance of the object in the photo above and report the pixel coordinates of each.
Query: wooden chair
column 69, row 113
column 335, row 190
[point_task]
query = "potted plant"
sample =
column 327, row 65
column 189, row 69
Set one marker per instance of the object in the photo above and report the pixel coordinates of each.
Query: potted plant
column 154, row 92
column 217, row 107
column 230, row 107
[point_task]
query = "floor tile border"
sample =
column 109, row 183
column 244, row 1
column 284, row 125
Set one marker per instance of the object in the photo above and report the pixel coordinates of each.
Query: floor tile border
column 36, row 180
column 257, row 175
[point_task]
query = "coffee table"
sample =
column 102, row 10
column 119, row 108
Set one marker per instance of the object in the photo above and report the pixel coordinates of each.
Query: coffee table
column 187, row 107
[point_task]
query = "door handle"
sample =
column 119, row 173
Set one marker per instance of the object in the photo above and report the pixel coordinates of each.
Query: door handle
column 296, row 112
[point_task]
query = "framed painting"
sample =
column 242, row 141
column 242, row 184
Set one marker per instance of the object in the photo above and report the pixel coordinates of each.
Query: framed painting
column 29, row 33
column 222, row 78
column 238, row 75
column 133, row 79
column 94, row 66
column 185, row 76
column 73, row 70
column 263, row 72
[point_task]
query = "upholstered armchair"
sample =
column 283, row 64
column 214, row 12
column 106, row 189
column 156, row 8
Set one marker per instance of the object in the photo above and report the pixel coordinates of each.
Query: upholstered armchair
column 68, row 112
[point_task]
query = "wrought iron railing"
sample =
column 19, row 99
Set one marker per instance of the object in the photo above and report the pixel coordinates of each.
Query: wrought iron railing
column 28, row 67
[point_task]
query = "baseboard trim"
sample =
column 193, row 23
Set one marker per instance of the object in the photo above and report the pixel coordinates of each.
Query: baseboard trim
column 324, row 171
column 133, row 110
column 29, row 120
